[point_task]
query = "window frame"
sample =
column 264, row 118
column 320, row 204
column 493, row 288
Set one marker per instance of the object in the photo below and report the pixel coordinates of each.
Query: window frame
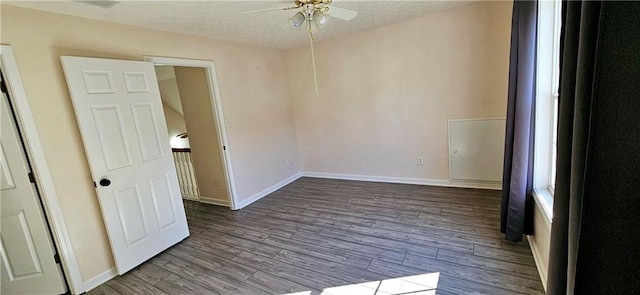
column 547, row 82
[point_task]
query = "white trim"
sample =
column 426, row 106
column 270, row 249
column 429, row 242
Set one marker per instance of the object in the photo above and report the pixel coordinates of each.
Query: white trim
column 405, row 180
column 537, row 257
column 216, row 105
column 544, row 199
column 100, row 279
column 268, row 191
column 47, row 190
column 213, row 201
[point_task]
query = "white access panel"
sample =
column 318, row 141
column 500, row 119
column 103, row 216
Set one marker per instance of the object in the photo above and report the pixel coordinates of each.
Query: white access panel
column 476, row 149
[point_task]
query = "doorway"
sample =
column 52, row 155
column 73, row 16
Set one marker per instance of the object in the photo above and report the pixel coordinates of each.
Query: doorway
column 29, row 257
column 197, row 129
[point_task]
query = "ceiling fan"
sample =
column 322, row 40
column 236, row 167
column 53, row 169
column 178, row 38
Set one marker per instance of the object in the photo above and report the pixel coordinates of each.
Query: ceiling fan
column 312, row 9
column 313, row 15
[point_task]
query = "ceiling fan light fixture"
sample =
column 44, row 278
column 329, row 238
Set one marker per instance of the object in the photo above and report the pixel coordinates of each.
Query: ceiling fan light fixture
column 320, row 18
column 297, row 20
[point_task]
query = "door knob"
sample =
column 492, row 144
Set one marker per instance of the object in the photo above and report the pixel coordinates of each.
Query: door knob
column 105, row 182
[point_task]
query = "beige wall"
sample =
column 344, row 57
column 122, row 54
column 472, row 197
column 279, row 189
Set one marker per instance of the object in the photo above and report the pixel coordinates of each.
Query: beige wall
column 253, row 87
column 175, row 126
column 193, row 86
column 386, row 94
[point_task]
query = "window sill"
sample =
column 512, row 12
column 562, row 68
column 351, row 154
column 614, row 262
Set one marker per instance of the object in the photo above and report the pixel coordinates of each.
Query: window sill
column 544, row 199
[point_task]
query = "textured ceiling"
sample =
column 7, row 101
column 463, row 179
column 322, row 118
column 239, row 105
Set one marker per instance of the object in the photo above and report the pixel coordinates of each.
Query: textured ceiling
column 223, row 20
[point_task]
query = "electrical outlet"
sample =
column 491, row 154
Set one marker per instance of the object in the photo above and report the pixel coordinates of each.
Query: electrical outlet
column 420, row 161
column 288, row 161
column 227, row 122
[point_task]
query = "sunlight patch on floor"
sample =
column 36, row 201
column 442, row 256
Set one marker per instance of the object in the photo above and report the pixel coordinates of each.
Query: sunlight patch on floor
column 424, row 284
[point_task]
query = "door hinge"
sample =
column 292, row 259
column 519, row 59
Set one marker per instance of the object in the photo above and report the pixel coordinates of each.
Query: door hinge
column 94, row 184
column 32, row 178
column 56, row 258
column 224, row 147
column 3, row 86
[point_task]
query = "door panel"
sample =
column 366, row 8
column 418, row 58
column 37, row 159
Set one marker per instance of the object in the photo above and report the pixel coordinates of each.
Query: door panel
column 163, row 203
column 26, row 248
column 119, row 112
column 97, row 82
column 114, row 147
column 5, row 175
column 148, row 136
column 21, row 258
column 136, row 82
column 129, row 206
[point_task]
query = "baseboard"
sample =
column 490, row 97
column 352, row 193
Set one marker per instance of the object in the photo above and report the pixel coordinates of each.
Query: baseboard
column 420, row 181
column 100, row 279
column 405, row 180
column 214, row 201
column 268, row 191
column 542, row 269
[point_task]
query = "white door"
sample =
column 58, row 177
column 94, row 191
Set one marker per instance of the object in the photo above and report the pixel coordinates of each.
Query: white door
column 28, row 264
column 119, row 112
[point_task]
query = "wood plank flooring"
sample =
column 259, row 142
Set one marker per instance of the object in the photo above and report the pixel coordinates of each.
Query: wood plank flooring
column 342, row 237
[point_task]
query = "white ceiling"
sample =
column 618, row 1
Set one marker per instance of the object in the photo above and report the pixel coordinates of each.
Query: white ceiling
column 223, row 20
column 165, row 72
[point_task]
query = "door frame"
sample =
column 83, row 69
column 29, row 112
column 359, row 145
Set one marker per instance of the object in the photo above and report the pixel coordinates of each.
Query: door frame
column 38, row 161
column 216, row 106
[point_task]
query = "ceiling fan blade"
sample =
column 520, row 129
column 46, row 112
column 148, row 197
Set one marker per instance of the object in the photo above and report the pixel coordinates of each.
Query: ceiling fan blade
column 270, row 9
column 342, row 13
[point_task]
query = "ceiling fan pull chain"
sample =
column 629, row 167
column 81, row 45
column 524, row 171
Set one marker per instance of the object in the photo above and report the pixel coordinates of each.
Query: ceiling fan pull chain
column 313, row 62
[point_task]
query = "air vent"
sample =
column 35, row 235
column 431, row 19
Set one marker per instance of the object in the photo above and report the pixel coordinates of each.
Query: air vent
column 99, row 3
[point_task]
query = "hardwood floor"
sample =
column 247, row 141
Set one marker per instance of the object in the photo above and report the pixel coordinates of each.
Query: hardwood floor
column 342, row 237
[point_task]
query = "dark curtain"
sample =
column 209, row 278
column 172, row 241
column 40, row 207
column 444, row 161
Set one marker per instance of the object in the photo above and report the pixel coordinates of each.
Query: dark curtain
column 596, row 211
column 517, row 180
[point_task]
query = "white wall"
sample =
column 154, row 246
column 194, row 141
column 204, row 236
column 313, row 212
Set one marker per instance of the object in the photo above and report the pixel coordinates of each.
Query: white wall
column 540, row 242
column 253, row 87
column 386, row 94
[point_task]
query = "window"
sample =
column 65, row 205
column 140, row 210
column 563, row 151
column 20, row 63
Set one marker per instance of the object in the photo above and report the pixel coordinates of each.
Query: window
column 554, row 144
column 555, row 88
column 547, row 82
